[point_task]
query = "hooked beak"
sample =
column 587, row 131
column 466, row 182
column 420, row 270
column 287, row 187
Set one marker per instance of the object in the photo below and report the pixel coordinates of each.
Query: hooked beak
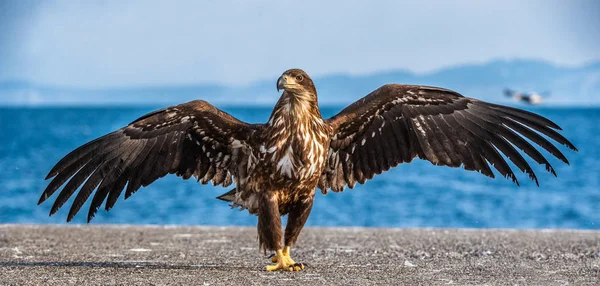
column 281, row 81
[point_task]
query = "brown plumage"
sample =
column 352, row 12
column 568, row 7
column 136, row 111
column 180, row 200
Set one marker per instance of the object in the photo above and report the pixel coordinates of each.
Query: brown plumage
column 277, row 166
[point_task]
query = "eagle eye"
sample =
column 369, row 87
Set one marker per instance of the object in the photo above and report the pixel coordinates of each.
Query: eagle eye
column 299, row 77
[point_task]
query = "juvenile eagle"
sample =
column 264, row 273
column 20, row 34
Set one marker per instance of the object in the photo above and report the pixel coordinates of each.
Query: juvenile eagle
column 277, row 166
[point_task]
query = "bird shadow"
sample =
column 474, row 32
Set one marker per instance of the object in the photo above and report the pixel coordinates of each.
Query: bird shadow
column 122, row 265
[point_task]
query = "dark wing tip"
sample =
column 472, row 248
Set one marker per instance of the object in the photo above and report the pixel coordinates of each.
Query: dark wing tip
column 531, row 175
column 514, row 179
column 565, row 142
column 572, row 147
column 74, row 209
column 537, row 122
column 57, row 167
column 42, row 199
column 51, row 175
column 92, row 213
column 55, row 208
column 551, row 170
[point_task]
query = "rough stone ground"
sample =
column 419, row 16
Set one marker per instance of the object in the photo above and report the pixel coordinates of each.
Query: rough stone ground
column 157, row 255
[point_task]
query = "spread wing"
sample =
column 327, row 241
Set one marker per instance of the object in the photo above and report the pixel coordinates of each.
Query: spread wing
column 192, row 139
column 397, row 123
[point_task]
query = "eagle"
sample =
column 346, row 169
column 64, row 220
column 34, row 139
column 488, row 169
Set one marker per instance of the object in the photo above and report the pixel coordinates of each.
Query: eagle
column 277, row 166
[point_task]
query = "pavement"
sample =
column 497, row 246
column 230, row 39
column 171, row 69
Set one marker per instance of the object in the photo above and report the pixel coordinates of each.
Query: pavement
column 178, row 255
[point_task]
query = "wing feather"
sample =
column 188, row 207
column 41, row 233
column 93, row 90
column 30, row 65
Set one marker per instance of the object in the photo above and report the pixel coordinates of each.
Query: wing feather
column 83, row 152
column 192, row 139
column 111, row 180
column 135, row 181
column 488, row 151
column 472, row 155
column 502, row 145
column 443, row 135
column 396, row 123
column 529, row 134
column 534, row 124
column 515, row 139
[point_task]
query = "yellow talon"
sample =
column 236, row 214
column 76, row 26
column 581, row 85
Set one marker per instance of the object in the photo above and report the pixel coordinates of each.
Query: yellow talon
column 286, row 252
column 284, row 262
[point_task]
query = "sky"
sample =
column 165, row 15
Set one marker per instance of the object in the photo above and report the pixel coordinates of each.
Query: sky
column 139, row 43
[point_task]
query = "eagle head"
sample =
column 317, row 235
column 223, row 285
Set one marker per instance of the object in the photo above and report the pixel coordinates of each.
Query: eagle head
column 296, row 81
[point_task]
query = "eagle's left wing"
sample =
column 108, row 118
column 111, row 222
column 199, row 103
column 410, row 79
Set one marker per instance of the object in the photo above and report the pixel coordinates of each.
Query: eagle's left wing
column 397, row 123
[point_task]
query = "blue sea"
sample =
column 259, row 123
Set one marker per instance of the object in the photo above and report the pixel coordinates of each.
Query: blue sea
column 418, row 194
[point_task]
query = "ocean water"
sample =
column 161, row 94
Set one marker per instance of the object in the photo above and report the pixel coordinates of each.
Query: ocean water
column 418, row 194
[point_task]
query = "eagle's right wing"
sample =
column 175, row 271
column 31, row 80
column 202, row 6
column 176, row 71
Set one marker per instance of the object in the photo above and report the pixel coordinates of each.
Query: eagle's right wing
column 191, row 139
column 397, row 123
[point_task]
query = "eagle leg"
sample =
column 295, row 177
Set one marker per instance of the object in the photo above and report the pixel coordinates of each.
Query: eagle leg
column 270, row 234
column 296, row 219
column 285, row 263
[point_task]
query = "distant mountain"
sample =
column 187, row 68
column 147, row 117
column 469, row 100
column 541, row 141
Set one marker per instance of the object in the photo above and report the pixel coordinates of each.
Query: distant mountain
column 568, row 86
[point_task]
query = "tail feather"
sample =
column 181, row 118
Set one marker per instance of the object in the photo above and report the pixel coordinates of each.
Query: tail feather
column 229, row 196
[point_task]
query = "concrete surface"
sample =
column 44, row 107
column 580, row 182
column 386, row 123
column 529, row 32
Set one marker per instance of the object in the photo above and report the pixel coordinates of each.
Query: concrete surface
column 157, row 255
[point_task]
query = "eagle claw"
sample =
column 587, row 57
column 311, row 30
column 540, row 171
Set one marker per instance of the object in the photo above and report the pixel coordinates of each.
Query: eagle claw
column 285, row 252
column 284, row 262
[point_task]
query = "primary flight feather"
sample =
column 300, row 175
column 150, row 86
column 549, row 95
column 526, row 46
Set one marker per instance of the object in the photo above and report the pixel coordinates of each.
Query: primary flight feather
column 277, row 166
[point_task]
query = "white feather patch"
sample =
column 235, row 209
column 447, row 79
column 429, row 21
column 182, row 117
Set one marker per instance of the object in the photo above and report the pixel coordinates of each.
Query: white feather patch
column 285, row 165
column 419, row 127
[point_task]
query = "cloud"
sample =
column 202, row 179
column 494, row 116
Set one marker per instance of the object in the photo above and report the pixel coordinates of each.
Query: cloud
column 124, row 43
